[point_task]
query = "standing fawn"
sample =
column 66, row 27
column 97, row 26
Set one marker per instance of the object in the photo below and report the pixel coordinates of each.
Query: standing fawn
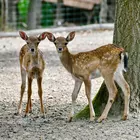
column 110, row 60
column 32, row 64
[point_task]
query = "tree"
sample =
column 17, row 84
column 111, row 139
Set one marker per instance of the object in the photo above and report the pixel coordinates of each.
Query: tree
column 12, row 14
column 107, row 12
column 59, row 19
column 4, row 14
column 127, row 35
column 34, row 13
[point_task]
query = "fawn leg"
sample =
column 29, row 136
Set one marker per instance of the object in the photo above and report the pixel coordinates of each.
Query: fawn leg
column 112, row 94
column 39, row 81
column 119, row 78
column 23, row 85
column 29, row 94
column 75, row 92
column 87, row 83
column 30, row 106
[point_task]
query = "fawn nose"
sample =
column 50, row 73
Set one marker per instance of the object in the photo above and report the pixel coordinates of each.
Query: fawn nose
column 32, row 50
column 60, row 49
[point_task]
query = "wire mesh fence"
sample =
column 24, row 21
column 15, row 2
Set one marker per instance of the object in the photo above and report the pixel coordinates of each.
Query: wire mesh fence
column 35, row 14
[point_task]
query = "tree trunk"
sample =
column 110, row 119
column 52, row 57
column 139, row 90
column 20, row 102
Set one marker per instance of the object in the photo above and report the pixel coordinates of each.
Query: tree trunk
column 38, row 19
column 107, row 12
column 127, row 35
column 103, row 11
column 59, row 18
column 32, row 14
column 4, row 15
column 12, row 15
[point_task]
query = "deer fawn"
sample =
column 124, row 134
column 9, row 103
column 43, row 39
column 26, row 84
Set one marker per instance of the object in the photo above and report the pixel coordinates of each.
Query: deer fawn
column 32, row 64
column 110, row 60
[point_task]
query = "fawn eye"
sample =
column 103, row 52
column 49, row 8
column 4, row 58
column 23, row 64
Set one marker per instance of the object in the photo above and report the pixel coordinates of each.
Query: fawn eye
column 37, row 43
column 28, row 43
column 66, row 43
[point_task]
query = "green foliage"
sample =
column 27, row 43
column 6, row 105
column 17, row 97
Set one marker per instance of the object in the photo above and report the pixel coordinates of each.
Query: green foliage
column 23, row 12
column 48, row 14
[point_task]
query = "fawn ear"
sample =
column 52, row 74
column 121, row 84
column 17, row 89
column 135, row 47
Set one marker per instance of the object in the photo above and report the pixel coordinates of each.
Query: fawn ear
column 23, row 35
column 70, row 36
column 42, row 36
column 50, row 36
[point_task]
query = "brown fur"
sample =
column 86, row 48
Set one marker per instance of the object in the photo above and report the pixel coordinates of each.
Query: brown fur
column 81, row 66
column 31, row 64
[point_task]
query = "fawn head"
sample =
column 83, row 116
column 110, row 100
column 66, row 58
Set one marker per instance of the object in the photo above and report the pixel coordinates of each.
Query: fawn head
column 60, row 42
column 32, row 41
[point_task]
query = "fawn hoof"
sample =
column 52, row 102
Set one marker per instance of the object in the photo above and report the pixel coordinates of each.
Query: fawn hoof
column 30, row 111
column 92, row 119
column 43, row 116
column 100, row 119
column 19, row 111
column 25, row 116
column 124, row 117
column 16, row 113
column 70, row 119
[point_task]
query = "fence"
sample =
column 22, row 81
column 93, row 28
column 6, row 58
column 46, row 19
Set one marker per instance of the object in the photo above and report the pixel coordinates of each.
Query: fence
column 33, row 14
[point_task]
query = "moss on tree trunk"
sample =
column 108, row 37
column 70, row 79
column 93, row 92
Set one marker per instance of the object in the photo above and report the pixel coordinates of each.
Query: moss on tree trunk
column 126, row 35
column 99, row 100
column 99, row 103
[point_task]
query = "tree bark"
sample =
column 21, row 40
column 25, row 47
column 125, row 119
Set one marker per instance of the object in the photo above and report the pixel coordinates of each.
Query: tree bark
column 126, row 35
column 38, row 19
column 12, row 15
column 32, row 14
column 59, row 18
column 107, row 12
column 4, row 15
column 103, row 11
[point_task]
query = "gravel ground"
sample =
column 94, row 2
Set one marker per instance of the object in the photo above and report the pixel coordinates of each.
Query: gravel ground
column 57, row 89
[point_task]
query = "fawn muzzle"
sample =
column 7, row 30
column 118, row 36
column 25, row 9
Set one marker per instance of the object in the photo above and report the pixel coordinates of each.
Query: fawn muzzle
column 60, row 50
column 32, row 50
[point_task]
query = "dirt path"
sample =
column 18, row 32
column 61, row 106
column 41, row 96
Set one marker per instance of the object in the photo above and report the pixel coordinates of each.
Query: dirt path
column 57, row 87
